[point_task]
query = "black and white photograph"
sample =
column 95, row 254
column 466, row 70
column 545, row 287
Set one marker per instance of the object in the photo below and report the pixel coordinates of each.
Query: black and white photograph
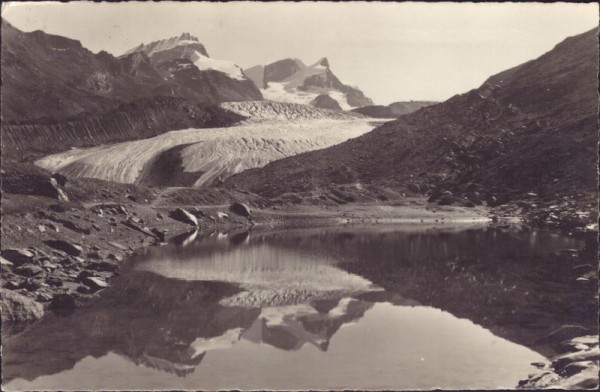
column 299, row 196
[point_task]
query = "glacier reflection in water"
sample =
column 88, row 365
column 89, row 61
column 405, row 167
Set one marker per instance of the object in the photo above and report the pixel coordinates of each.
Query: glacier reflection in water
column 305, row 309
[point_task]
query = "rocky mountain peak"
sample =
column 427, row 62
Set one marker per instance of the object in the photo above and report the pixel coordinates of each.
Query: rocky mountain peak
column 185, row 39
column 323, row 62
column 188, row 37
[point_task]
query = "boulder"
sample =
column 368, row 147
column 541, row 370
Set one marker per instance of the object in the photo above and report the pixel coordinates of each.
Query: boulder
column 561, row 362
column 51, row 189
column 197, row 212
column 472, row 197
column 18, row 256
column 94, row 283
column 60, row 179
column 67, row 247
column 434, row 195
column 413, row 187
column 102, row 265
column 240, row 209
column 160, row 234
column 447, row 200
column 5, row 262
column 17, row 307
column 184, row 216
column 565, row 332
column 575, row 367
column 75, row 227
column 117, row 245
column 31, row 284
column 586, row 379
column 29, row 270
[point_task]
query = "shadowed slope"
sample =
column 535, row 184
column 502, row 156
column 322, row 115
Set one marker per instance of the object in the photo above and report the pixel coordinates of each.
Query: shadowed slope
column 520, row 131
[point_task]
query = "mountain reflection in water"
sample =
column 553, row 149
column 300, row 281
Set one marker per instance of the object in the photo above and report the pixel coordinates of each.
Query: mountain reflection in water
column 321, row 308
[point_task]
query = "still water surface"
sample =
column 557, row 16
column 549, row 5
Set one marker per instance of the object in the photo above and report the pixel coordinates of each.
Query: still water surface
column 328, row 308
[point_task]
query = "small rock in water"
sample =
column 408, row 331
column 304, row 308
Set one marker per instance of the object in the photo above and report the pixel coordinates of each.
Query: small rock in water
column 539, row 365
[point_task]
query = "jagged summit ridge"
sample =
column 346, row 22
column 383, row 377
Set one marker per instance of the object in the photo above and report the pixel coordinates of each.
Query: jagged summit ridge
column 187, row 47
column 169, row 43
column 323, row 61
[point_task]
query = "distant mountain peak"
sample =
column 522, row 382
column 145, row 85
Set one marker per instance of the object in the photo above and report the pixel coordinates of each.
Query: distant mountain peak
column 290, row 80
column 323, row 62
column 188, row 37
column 166, row 44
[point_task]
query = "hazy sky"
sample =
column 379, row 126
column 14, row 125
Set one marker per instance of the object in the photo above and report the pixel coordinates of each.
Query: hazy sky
column 392, row 51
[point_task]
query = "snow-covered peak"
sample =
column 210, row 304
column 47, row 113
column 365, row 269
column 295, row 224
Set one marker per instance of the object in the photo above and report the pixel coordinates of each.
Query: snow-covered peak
column 205, row 63
column 166, row 44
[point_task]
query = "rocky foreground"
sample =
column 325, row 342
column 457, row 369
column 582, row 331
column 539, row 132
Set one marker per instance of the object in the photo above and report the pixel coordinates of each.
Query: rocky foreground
column 63, row 240
column 576, row 368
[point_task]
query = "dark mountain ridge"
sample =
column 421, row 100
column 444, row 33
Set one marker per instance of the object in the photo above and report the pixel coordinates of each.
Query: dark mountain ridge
column 47, row 77
column 393, row 110
column 130, row 121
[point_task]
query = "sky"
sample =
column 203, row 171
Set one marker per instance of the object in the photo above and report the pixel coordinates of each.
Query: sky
column 391, row 51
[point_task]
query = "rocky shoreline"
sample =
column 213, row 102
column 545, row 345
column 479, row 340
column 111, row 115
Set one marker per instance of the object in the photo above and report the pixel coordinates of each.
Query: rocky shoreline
column 62, row 242
column 575, row 368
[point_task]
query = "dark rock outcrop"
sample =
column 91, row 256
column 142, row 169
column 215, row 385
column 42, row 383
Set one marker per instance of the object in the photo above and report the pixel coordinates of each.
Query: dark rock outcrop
column 324, row 101
column 67, row 247
column 280, row 70
column 53, row 78
column 50, row 188
column 184, row 216
column 240, row 209
column 18, row 308
column 136, row 120
column 393, row 110
column 18, row 256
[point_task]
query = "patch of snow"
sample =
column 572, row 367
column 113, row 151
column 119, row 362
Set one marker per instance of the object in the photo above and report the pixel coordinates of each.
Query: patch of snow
column 278, row 315
column 225, row 341
column 340, row 97
column 227, row 67
column 278, row 92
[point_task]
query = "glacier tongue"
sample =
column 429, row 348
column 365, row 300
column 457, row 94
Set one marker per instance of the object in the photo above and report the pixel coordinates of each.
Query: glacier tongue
column 277, row 131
